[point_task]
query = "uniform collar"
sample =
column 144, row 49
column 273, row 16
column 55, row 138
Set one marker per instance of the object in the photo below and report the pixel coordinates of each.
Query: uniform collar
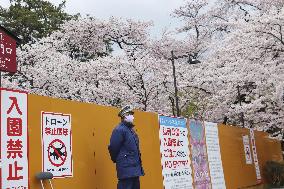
column 128, row 124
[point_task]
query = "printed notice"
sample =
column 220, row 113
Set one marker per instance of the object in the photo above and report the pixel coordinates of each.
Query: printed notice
column 214, row 156
column 175, row 153
column 247, row 149
column 57, row 146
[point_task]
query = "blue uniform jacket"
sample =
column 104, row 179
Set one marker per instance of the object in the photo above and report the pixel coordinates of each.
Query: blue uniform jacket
column 124, row 151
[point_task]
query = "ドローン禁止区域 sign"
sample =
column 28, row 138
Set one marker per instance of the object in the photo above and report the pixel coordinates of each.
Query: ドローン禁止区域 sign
column 57, row 147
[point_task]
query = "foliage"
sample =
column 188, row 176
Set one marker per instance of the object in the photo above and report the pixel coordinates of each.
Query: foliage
column 31, row 20
column 274, row 173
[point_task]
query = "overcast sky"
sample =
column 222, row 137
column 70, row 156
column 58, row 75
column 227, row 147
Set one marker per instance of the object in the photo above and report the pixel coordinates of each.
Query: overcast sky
column 156, row 10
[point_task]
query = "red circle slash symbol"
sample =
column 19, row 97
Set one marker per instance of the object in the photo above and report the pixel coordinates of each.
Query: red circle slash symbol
column 57, row 150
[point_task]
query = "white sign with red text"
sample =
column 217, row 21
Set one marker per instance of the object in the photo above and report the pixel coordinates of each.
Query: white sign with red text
column 176, row 169
column 14, row 140
column 254, row 153
column 57, row 144
column 247, row 149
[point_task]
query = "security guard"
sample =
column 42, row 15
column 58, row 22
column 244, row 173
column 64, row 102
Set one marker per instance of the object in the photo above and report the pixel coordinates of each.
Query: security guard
column 124, row 151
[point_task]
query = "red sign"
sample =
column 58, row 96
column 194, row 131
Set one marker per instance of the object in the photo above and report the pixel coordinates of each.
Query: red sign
column 7, row 53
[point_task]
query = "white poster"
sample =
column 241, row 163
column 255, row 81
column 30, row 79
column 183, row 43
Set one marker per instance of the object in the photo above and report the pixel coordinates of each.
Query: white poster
column 57, row 144
column 254, row 153
column 247, row 149
column 14, row 140
column 214, row 156
column 174, row 150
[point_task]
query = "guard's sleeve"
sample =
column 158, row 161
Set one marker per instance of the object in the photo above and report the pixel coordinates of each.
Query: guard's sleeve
column 116, row 142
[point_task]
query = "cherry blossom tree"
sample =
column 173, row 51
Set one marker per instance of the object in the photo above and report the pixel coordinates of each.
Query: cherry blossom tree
column 197, row 25
column 75, row 63
column 251, row 59
column 242, row 67
column 240, row 77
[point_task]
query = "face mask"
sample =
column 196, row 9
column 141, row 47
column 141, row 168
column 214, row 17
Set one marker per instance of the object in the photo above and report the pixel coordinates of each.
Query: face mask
column 129, row 118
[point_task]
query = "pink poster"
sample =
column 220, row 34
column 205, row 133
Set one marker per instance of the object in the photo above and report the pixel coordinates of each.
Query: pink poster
column 199, row 155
